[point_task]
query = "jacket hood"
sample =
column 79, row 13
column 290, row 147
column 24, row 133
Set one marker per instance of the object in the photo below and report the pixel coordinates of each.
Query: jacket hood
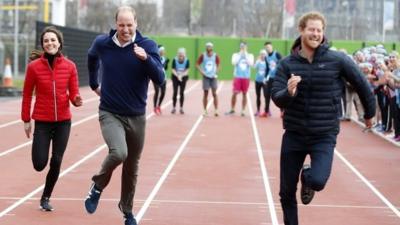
column 297, row 45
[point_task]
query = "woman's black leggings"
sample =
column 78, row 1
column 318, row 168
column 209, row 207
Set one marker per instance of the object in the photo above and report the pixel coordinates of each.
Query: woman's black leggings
column 182, row 84
column 45, row 132
column 261, row 86
column 159, row 91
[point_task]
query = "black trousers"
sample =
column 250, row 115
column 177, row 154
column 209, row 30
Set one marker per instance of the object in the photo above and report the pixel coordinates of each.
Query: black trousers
column 268, row 94
column 261, row 86
column 295, row 148
column 395, row 116
column 383, row 102
column 181, row 85
column 58, row 134
column 159, row 94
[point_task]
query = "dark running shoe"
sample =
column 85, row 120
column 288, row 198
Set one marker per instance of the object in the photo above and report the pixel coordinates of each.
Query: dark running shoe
column 92, row 200
column 306, row 193
column 230, row 112
column 129, row 219
column 45, row 204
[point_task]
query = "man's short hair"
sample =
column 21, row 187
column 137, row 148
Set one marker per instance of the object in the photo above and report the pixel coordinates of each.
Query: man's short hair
column 125, row 8
column 267, row 43
column 314, row 15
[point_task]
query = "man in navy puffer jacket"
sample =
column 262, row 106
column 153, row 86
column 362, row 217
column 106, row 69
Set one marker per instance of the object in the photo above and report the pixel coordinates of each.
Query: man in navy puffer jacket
column 128, row 62
column 308, row 87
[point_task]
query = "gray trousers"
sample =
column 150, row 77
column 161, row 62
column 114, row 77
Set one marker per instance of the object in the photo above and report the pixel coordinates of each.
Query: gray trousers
column 124, row 137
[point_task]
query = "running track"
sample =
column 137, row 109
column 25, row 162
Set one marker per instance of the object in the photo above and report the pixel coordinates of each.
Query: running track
column 198, row 170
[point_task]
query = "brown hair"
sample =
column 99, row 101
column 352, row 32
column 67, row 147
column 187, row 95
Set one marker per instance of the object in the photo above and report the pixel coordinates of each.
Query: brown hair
column 125, row 8
column 35, row 54
column 314, row 15
column 56, row 32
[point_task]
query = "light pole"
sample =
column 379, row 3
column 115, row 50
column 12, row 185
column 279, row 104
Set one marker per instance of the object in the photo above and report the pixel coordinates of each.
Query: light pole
column 16, row 28
column 347, row 19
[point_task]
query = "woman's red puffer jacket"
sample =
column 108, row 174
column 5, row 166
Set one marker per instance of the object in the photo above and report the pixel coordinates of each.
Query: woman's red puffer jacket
column 54, row 89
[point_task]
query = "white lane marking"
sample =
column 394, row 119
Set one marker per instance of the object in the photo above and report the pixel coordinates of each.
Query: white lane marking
column 167, row 201
column 37, row 190
column 19, row 121
column 264, row 172
column 171, row 164
column 366, row 182
column 391, row 140
column 20, row 201
column 10, row 123
column 85, row 119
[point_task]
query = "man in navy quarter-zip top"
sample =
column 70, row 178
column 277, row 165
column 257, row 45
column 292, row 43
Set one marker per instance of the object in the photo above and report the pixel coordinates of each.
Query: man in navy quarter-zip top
column 128, row 61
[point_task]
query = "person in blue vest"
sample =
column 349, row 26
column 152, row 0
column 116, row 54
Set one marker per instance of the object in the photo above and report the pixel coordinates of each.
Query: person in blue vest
column 129, row 61
column 308, row 86
column 208, row 65
column 272, row 60
column 261, row 83
column 242, row 62
column 160, row 89
column 180, row 76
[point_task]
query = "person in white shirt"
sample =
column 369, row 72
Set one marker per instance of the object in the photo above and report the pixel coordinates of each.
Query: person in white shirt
column 242, row 62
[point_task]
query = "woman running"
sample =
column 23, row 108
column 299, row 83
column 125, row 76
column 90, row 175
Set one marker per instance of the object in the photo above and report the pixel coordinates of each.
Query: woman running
column 180, row 75
column 54, row 79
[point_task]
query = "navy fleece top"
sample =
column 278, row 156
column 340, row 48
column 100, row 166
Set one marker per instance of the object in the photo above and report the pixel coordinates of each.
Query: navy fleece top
column 124, row 77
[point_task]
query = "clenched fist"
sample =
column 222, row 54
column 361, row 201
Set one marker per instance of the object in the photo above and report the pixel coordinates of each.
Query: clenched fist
column 139, row 52
column 292, row 84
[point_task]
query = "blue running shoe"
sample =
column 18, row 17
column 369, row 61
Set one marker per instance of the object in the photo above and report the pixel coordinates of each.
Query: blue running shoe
column 129, row 219
column 92, row 200
column 45, row 204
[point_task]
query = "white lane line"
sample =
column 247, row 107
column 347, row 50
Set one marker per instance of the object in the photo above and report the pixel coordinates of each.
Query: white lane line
column 264, row 172
column 85, row 119
column 40, row 188
column 203, row 202
column 171, row 164
column 13, row 149
column 66, row 171
column 10, row 123
column 355, row 120
column 20, row 121
column 366, row 182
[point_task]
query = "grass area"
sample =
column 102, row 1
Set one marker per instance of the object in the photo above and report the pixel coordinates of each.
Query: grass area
column 18, row 83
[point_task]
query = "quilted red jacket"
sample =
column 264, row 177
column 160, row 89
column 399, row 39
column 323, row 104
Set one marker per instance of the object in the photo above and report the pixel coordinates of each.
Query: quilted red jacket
column 54, row 89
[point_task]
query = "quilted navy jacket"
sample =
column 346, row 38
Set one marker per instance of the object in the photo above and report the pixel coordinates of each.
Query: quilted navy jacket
column 315, row 108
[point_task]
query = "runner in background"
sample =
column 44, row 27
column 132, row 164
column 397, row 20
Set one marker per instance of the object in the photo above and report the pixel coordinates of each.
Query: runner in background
column 261, row 81
column 160, row 89
column 208, row 65
column 242, row 62
column 180, row 76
